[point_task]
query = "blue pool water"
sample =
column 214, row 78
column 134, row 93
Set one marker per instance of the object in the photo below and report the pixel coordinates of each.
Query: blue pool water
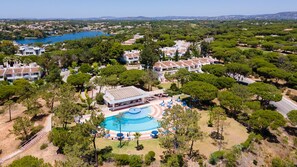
column 54, row 39
column 133, row 122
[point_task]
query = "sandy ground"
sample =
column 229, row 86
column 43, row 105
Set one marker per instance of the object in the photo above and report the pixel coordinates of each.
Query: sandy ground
column 49, row 154
column 234, row 134
column 8, row 143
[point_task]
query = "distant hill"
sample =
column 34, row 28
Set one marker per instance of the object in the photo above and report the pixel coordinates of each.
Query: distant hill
column 277, row 16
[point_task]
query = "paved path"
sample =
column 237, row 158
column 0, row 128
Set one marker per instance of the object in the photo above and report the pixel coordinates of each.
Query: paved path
column 284, row 106
column 47, row 128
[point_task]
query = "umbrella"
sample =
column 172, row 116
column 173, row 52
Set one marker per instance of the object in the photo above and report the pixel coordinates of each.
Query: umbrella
column 120, row 135
column 155, row 132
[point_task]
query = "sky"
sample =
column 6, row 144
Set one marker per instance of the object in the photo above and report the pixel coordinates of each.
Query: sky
column 150, row 8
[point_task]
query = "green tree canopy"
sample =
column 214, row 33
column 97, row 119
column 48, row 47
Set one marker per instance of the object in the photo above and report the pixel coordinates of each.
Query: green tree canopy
column 263, row 119
column 85, row 68
column 29, row 161
column 292, row 115
column 230, row 101
column 132, row 77
column 112, row 70
column 215, row 69
column 265, row 92
column 78, row 80
column 148, row 57
column 200, row 90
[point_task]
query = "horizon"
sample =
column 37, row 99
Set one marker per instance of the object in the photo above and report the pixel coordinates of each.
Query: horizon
column 69, row 18
column 36, row 9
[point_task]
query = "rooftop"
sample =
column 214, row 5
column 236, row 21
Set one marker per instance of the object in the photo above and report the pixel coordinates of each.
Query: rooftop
column 125, row 92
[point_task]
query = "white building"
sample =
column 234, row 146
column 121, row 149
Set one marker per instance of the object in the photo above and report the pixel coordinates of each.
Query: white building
column 131, row 57
column 30, row 50
column 124, row 97
column 16, row 71
column 171, row 67
column 180, row 46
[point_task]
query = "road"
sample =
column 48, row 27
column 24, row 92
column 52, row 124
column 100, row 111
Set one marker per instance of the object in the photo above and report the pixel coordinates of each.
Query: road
column 284, row 106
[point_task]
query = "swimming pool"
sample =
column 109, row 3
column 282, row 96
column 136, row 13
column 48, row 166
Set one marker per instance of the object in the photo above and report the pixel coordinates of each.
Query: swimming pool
column 133, row 121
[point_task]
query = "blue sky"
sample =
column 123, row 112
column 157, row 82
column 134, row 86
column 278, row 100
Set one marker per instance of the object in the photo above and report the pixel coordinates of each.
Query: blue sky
column 121, row 8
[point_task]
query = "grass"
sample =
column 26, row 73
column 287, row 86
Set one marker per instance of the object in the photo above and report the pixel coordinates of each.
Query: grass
column 234, row 134
column 129, row 146
column 166, row 85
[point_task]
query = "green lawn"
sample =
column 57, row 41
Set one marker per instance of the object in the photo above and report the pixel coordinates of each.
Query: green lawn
column 129, row 146
column 166, row 85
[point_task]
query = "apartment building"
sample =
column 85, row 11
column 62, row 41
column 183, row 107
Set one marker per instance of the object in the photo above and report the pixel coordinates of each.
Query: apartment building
column 16, row 71
column 171, row 67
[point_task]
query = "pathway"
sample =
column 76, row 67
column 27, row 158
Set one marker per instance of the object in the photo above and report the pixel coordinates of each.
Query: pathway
column 38, row 136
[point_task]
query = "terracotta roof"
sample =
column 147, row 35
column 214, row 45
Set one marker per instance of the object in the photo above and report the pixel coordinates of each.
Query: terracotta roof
column 35, row 69
column 2, row 72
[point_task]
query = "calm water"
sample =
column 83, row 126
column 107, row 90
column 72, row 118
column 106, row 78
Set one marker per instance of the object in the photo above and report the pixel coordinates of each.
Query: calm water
column 133, row 122
column 54, row 39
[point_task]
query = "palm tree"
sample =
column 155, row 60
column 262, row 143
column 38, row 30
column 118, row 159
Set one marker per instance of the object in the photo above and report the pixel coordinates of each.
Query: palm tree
column 137, row 136
column 118, row 122
column 100, row 81
column 87, row 100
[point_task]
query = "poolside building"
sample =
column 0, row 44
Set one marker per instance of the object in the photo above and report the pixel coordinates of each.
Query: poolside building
column 124, row 97
column 171, row 67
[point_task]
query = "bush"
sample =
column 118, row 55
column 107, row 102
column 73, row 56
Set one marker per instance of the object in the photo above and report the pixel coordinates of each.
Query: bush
column 149, row 157
column 36, row 129
column 43, row 146
column 122, row 159
column 100, row 160
column 278, row 162
column 139, row 147
column 135, row 161
column 99, row 98
column 252, row 137
column 175, row 160
column 215, row 156
column 160, row 87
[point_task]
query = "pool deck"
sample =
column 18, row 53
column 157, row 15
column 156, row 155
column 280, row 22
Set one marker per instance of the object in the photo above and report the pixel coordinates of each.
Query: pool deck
column 157, row 111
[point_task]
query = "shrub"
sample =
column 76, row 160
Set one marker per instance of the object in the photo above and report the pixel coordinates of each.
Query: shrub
column 29, row 161
column 149, row 157
column 175, row 160
column 252, row 137
column 36, row 129
column 99, row 98
column 277, row 162
column 43, row 146
column 135, row 161
column 139, row 147
column 215, row 156
column 100, row 160
column 122, row 159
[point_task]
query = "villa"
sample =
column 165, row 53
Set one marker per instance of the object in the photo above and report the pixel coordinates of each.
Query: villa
column 124, row 97
column 131, row 57
column 30, row 50
column 171, row 67
column 16, row 71
column 180, row 46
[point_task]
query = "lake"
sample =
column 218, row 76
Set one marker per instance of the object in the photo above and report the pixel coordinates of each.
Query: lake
column 54, row 39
